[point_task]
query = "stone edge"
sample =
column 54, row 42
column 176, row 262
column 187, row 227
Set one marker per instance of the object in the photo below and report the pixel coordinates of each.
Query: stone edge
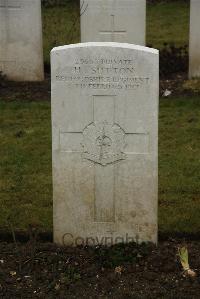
column 106, row 44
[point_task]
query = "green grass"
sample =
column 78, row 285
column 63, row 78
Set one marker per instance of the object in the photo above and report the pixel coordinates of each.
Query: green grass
column 25, row 165
column 25, row 179
column 166, row 22
column 179, row 164
column 25, row 131
column 61, row 26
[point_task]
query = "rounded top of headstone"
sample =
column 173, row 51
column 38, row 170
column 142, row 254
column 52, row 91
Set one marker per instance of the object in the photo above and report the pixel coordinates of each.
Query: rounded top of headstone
column 106, row 44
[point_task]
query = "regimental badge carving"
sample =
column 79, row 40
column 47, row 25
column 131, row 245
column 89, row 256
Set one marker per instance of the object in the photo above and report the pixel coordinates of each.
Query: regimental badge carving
column 103, row 143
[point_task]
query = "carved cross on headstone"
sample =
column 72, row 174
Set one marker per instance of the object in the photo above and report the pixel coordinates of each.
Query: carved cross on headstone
column 112, row 32
column 105, row 143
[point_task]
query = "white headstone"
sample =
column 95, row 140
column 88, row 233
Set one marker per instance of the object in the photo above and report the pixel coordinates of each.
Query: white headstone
column 21, row 53
column 194, row 51
column 113, row 21
column 105, row 134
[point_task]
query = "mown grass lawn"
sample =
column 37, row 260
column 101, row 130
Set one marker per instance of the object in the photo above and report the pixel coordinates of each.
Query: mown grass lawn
column 166, row 23
column 25, row 132
column 179, row 165
column 25, row 165
column 61, row 26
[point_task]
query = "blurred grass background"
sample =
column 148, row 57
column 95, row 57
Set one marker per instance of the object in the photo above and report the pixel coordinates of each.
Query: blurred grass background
column 25, row 131
column 167, row 22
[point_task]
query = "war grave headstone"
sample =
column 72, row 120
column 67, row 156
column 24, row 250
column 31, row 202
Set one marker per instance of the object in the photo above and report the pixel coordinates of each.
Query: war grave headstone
column 113, row 21
column 105, row 139
column 21, row 50
column 194, row 49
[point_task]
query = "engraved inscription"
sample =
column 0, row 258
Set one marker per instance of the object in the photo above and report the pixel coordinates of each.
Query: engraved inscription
column 9, row 4
column 103, row 143
column 7, row 7
column 104, row 74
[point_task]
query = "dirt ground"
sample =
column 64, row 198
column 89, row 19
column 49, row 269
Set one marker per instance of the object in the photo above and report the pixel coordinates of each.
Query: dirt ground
column 26, row 91
column 44, row 270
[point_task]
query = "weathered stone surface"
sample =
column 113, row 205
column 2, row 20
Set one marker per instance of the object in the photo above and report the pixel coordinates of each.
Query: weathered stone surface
column 194, row 51
column 21, row 54
column 105, row 134
column 113, row 21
